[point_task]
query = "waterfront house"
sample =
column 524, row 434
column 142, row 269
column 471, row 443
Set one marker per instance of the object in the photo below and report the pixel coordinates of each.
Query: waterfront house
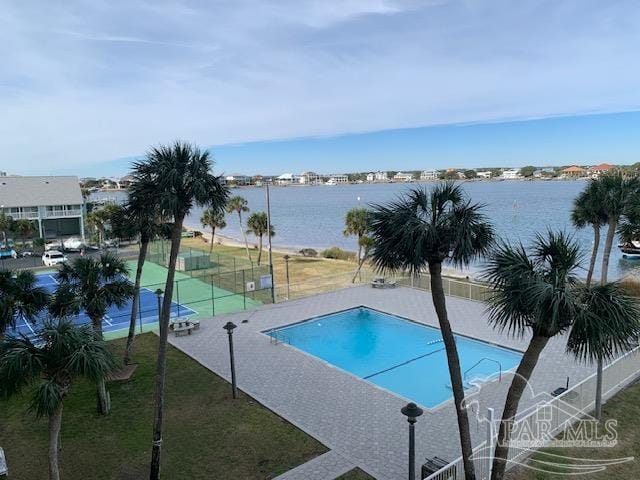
column 237, row 179
column 429, row 175
column 309, row 178
column 287, row 179
column 574, row 171
column 55, row 204
column 125, row 182
column 371, row 177
column 597, row 170
column 486, row 174
column 403, row 177
column 338, row 178
column 543, row 172
column 511, row 174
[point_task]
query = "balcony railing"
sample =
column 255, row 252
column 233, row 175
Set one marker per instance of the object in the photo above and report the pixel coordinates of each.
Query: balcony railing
column 62, row 213
column 23, row 215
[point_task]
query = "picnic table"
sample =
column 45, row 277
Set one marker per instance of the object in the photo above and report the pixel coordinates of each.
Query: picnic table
column 183, row 325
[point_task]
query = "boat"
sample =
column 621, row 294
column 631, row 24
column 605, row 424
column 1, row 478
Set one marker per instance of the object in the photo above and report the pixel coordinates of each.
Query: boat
column 630, row 249
column 331, row 182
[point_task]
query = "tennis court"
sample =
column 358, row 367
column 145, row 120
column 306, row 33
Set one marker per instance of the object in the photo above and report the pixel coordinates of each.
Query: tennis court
column 116, row 319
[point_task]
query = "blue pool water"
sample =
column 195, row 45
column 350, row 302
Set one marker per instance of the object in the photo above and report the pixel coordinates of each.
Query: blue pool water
column 399, row 355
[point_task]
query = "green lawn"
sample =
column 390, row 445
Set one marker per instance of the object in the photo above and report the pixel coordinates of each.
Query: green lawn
column 625, row 408
column 208, row 435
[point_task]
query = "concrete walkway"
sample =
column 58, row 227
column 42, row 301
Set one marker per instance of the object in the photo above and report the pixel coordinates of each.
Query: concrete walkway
column 359, row 422
column 325, row 467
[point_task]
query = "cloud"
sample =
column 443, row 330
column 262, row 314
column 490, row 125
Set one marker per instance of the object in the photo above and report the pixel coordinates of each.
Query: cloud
column 96, row 80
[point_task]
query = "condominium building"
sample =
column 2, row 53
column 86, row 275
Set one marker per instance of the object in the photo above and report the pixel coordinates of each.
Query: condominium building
column 309, row 178
column 429, row 175
column 54, row 203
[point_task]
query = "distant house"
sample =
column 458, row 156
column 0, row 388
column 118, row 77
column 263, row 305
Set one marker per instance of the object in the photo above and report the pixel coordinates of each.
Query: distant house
column 109, row 183
column 338, row 178
column 598, row 170
column 403, row 177
column 237, row 179
column 511, row 174
column 574, row 171
column 125, row 182
column 55, row 204
column 543, row 172
column 309, row 178
column 287, row 179
column 377, row 176
column 484, row 174
column 429, row 175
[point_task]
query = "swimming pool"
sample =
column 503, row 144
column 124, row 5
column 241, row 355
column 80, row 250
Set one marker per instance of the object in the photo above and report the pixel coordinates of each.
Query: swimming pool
column 404, row 357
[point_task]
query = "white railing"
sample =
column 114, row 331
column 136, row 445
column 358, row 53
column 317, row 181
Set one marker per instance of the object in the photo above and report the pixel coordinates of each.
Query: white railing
column 23, row 215
column 452, row 287
column 62, row 213
column 581, row 397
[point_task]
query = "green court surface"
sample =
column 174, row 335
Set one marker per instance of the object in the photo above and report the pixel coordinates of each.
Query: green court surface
column 200, row 296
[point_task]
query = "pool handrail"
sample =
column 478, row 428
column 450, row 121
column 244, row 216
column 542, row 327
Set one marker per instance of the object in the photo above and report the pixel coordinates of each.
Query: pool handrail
column 464, row 375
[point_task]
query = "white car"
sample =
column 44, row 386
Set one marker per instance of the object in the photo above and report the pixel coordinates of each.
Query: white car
column 53, row 257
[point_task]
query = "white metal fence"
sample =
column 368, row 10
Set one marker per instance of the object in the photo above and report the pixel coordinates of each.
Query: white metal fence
column 580, row 397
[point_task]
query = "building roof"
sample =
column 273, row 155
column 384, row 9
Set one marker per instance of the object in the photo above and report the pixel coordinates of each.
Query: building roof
column 573, row 169
column 39, row 191
column 603, row 167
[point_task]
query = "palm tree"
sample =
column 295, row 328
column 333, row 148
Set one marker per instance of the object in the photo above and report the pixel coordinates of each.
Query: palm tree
column 619, row 194
column 588, row 210
column 422, row 230
column 143, row 219
column 62, row 353
column 365, row 243
column 257, row 225
column 213, row 219
column 20, row 298
column 541, row 294
column 6, row 224
column 175, row 178
column 357, row 223
column 92, row 285
column 239, row 205
column 24, row 228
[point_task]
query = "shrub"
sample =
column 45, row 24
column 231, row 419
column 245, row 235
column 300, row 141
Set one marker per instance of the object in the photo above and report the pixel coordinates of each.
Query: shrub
column 308, row 252
column 631, row 286
column 337, row 253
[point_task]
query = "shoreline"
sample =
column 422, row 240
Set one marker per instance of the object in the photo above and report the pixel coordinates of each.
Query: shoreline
column 295, row 251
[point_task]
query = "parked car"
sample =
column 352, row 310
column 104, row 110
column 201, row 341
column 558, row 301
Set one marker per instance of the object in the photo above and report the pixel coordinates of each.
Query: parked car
column 74, row 244
column 26, row 253
column 8, row 253
column 53, row 257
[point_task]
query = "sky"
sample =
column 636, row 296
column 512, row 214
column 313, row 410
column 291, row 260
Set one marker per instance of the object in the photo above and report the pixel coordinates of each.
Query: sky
column 291, row 85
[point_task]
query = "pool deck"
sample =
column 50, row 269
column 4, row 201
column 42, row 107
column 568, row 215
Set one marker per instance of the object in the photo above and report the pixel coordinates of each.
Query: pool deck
column 359, row 422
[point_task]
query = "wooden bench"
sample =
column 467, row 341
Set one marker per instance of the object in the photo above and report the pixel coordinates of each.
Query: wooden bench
column 4, row 470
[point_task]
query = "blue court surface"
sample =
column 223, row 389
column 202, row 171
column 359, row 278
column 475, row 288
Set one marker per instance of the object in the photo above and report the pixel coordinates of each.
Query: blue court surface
column 116, row 318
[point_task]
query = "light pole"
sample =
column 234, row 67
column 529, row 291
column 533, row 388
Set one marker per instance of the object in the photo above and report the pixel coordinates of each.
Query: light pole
column 229, row 327
column 159, row 293
column 286, row 270
column 412, row 412
column 273, row 291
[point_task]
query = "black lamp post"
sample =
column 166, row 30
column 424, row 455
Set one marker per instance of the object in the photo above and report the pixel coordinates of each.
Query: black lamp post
column 229, row 327
column 412, row 412
column 159, row 293
column 286, row 269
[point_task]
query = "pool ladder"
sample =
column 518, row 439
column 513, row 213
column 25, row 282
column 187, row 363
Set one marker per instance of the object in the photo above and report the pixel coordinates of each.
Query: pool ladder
column 273, row 337
column 464, row 375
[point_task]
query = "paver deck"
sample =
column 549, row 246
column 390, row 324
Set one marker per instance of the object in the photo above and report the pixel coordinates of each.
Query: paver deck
column 358, row 421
